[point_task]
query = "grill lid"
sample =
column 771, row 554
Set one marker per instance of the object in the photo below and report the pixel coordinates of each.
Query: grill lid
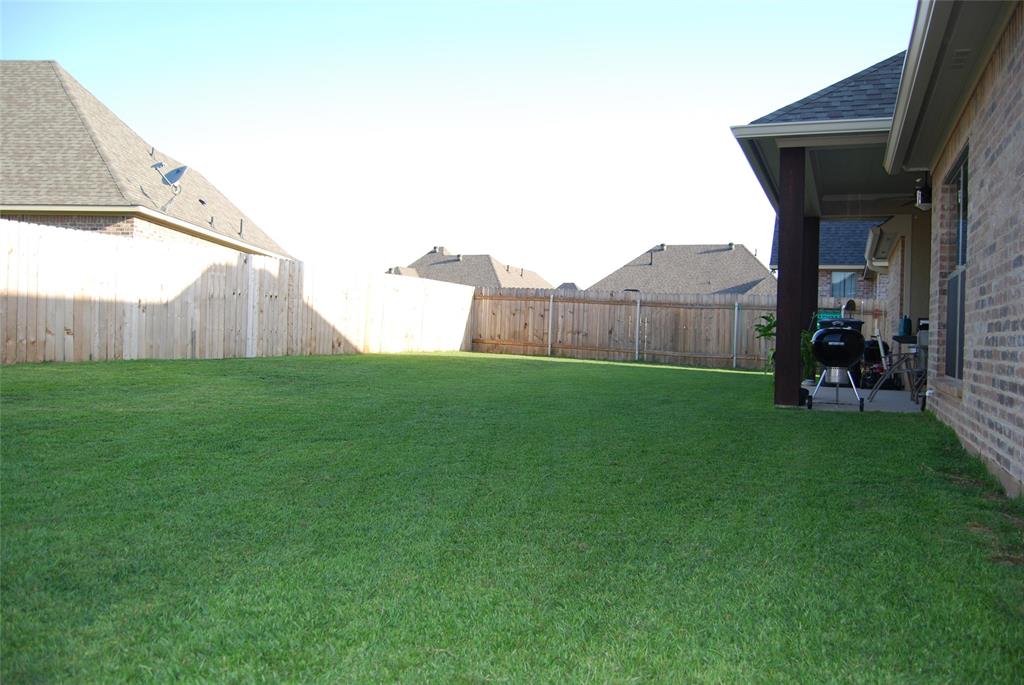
column 837, row 347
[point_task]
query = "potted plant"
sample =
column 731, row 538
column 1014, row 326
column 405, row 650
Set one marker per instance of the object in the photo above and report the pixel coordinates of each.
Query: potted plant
column 766, row 331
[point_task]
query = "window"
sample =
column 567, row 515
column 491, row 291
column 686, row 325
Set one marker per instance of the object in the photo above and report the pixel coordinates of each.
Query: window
column 959, row 178
column 956, row 282
column 844, row 284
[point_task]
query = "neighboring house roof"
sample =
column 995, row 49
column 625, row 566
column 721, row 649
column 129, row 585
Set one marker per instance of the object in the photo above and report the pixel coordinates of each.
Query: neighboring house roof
column 841, row 242
column 479, row 270
column 867, row 94
column 568, row 285
column 61, row 147
column 692, row 269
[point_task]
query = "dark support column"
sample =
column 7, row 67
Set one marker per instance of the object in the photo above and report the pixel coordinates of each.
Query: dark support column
column 812, row 225
column 790, row 301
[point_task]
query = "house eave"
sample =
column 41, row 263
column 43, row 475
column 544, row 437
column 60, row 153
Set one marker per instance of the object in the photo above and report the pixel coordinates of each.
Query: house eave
column 949, row 46
column 755, row 158
column 761, row 141
column 149, row 215
column 899, row 136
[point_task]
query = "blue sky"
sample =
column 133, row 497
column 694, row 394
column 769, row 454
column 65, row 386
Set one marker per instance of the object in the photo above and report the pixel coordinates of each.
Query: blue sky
column 566, row 137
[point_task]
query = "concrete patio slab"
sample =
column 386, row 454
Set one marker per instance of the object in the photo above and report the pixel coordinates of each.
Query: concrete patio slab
column 886, row 400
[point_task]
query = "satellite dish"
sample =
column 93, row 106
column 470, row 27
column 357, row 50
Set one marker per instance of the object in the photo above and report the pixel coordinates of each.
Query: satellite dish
column 172, row 177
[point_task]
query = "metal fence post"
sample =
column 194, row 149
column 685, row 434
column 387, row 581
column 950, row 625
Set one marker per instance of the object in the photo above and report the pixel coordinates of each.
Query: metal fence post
column 637, row 355
column 551, row 320
column 735, row 331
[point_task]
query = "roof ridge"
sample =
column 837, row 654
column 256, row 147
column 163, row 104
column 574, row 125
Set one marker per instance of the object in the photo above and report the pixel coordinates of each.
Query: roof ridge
column 57, row 69
column 72, row 150
column 722, row 245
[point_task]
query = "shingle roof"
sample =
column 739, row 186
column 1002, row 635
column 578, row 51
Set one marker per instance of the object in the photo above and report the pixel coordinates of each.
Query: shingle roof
column 841, row 242
column 479, row 270
column 867, row 94
column 692, row 269
column 60, row 146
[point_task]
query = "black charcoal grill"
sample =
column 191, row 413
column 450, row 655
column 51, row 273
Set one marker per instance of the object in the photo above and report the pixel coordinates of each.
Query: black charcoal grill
column 838, row 345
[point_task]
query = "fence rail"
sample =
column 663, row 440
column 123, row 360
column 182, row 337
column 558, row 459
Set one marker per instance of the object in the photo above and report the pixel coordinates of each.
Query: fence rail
column 692, row 330
column 75, row 295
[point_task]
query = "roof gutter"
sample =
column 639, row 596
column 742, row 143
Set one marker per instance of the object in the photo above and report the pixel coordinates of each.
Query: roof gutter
column 870, row 262
column 149, row 215
column 930, row 17
column 812, row 128
column 829, row 267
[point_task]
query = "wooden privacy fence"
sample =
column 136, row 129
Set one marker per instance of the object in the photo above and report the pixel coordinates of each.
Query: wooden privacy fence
column 74, row 295
column 693, row 330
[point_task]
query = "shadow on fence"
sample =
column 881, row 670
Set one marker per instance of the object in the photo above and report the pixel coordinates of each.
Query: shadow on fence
column 76, row 296
column 229, row 310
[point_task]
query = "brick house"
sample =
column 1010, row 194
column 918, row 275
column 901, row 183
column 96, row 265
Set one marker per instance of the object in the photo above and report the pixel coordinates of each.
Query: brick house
column 728, row 269
column 842, row 271
column 66, row 160
column 480, row 270
column 938, row 148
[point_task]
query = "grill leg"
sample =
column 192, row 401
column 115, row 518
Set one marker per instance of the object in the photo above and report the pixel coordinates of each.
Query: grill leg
column 820, row 381
column 853, row 385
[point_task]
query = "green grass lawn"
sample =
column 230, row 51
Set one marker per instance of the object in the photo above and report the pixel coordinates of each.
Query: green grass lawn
column 470, row 518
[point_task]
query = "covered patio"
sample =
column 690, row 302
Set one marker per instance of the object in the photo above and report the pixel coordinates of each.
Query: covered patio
column 822, row 157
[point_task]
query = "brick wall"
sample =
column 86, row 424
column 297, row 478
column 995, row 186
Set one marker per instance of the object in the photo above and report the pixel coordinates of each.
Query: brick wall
column 882, row 286
column 986, row 408
column 119, row 224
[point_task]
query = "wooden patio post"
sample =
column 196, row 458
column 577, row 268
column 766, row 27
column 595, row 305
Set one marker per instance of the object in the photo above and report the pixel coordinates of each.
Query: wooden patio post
column 790, row 303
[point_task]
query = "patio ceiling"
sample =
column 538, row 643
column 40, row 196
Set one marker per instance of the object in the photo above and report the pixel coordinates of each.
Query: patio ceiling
column 845, row 176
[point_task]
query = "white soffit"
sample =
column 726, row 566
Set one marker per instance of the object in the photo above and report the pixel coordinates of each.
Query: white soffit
column 950, row 45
